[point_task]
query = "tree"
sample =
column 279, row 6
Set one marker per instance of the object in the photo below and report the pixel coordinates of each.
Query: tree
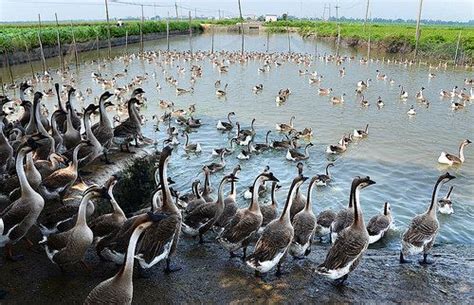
column 284, row 16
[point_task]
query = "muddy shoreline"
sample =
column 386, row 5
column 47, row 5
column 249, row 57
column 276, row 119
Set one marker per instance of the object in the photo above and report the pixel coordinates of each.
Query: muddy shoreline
column 209, row 276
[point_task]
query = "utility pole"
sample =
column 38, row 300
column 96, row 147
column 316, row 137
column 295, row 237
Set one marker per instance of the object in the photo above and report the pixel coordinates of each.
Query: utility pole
column 61, row 62
column 190, row 34
column 43, row 59
column 457, row 49
column 219, row 14
column 337, row 13
column 195, row 13
column 168, row 32
column 418, row 28
column 366, row 12
column 108, row 27
column 141, row 31
column 176, row 9
column 241, row 26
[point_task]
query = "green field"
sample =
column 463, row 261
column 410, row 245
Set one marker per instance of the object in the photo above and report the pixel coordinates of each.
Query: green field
column 436, row 41
column 19, row 36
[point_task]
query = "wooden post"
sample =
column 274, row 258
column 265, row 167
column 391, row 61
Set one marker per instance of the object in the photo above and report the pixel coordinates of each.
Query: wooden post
column 268, row 40
column 457, row 49
column 289, row 39
column 176, row 9
column 29, row 58
column 108, row 27
column 418, row 28
column 368, row 49
column 60, row 53
column 338, row 42
column 7, row 64
column 43, row 59
column 190, row 34
column 241, row 27
column 168, row 32
column 212, row 39
column 366, row 12
column 126, row 42
column 141, row 31
column 97, row 46
column 75, row 46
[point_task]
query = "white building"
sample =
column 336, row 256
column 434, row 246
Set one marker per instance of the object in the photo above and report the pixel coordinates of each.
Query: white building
column 270, row 18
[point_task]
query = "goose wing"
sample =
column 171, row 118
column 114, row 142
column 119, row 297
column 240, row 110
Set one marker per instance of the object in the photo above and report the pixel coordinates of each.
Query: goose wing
column 109, row 292
column 304, row 225
column 156, row 238
column 59, row 241
column 56, row 215
column 348, row 247
column 59, row 179
column 105, row 224
column 343, row 219
column 117, row 240
column 325, row 218
column 201, row 214
column 378, row 224
column 274, row 240
column 422, row 228
column 13, row 215
column 452, row 158
column 243, row 224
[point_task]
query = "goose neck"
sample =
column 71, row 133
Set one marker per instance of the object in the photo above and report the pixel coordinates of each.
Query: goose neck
column 127, row 269
column 25, row 186
column 81, row 214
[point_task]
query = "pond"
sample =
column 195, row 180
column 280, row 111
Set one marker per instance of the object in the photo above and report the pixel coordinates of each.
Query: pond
column 400, row 153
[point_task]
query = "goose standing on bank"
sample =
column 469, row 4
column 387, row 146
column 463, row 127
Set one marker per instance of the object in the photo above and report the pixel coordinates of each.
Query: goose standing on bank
column 379, row 224
column 245, row 222
column 17, row 218
column 445, row 204
column 304, row 224
column 346, row 253
column 230, row 204
column 203, row 217
column 449, row 159
column 104, row 131
column 299, row 201
column 421, row 234
column 68, row 248
column 272, row 245
column 270, row 211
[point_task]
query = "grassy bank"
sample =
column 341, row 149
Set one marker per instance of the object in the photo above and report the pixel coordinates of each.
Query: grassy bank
column 436, row 41
column 19, row 37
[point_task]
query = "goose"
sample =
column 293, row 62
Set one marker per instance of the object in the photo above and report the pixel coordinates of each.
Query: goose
column 270, row 211
column 260, row 147
column 246, row 221
column 261, row 189
column 362, row 84
column 304, row 224
column 180, row 91
column 421, row 233
column 95, row 148
column 403, row 93
column 358, row 133
column 58, row 183
column 285, row 127
column 324, row 179
column 198, row 199
column 380, row 103
column 215, row 167
column 17, row 218
column 299, row 201
column 276, row 238
column 411, row 111
column 119, row 288
column 129, row 129
column 431, row 75
column 217, row 151
column 203, row 217
column 324, row 91
column 104, row 131
column 458, row 105
column 68, row 248
column 61, row 113
column 222, row 92
column 56, row 134
column 217, row 84
column 230, row 205
column 379, row 224
column 6, row 151
column 446, row 94
column 226, row 125
column 47, row 167
column 338, row 100
column 257, row 88
column 364, row 102
column 450, row 159
column 380, row 75
column 207, row 190
column 346, row 252
column 283, row 144
column 71, row 136
column 294, row 155
column 245, row 135
column 107, row 223
column 419, row 94
column 342, row 219
column 445, row 205
column 323, row 223
column 246, row 153
column 36, row 118
column 160, row 241
column 191, row 147
column 337, row 148
column 306, row 133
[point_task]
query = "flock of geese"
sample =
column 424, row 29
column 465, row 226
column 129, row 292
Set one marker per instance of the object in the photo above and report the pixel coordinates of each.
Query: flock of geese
column 43, row 156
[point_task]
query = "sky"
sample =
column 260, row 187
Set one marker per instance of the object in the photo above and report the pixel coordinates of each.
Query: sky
column 28, row 10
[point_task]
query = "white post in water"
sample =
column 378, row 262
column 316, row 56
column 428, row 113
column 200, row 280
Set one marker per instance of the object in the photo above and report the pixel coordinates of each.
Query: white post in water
column 108, row 27
column 366, row 12
column 168, row 32
column 418, row 28
column 457, row 49
column 241, row 26
column 190, row 34
column 59, row 43
column 43, row 59
column 212, row 39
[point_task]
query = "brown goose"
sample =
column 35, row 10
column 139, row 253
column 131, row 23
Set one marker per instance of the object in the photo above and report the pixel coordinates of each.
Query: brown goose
column 203, row 217
column 230, row 204
column 207, row 185
column 57, row 184
column 129, row 129
column 276, row 237
column 17, row 219
column 246, row 222
column 293, row 154
column 36, row 116
column 68, row 248
column 445, row 204
column 198, row 199
column 226, row 125
column 215, row 167
column 304, row 224
column 450, row 159
column 379, row 224
column 71, row 135
column 270, row 211
column 104, row 131
column 95, row 149
column 421, row 234
column 345, row 254
column 6, row 151
column 344, row 218
column 107, row 223
column 42, row 152
column 47, row 167
column 299, row 201
column 324, row 179
column 60, row 114
column 323, row 223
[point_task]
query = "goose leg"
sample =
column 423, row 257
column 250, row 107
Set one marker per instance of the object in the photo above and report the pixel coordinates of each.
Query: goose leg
column 106, row 158
column 425, row 260
column 244, row 256
column 232, row 254
column 170, row 268
column 402, row 259
column 339, row 282
column 308, row 250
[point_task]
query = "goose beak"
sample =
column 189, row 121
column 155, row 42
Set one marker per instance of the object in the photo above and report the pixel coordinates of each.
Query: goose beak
column 370, row 182
column 449, row 177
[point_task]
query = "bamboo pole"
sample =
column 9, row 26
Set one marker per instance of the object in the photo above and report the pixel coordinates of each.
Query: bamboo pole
column 43, row 59
column 366, row 12
column 418, row 28
column 176, row 9
column 241, row 27
column 338, row 42
column 212, row 40
column 457, row 49
column 108, row 27
column 190, row 34
column 368, row 49
column 141, row 31
column 60, row 53
column 126, row 42
column 168, row 32
column 29, row 58
column 76, row 57
column 289, row 38
column 268, row 40
column 7, row 64
column 97, row 46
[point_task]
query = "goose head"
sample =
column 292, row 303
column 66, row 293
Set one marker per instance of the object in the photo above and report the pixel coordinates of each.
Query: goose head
column 97, row 191
column 387, row 210
column 268, row 176
column 300, row 168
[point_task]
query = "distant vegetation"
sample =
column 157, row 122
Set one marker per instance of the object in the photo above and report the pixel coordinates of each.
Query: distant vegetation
column 20, row 36
column 437, row 41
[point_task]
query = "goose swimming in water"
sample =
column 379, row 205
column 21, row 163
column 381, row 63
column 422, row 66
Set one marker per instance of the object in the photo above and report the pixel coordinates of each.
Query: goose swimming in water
column 294, row 155
column 276, row 238
column 403, row 93
column 411, row 111
column 226, row 125
column 346, row 252
column 222, row 92
column 421, row 233
column 358, row 133
column 257, row 88
column 304, row 224
column 283, row 127
column 260, row 147
column 324, row 91
column 449, row 159
column 338, row 100
column 379, row 224
column 337, row 148
column 445, row 205
column 246, row 221
column 324, row 179
column 191, row 147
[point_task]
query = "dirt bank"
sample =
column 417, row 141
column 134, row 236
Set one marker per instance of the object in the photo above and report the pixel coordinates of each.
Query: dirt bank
column 210, row 276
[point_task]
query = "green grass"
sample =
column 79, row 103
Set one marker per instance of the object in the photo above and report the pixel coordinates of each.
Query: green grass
column 436, row 40
column 18, row 37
